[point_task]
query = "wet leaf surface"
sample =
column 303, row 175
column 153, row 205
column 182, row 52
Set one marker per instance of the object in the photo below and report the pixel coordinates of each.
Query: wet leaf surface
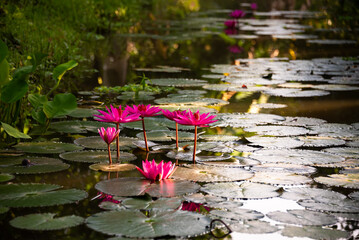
column 46, row 147
column 97, row 142
column 95, row 156
column 340, row 180
column 313, row 232
column 280, row 178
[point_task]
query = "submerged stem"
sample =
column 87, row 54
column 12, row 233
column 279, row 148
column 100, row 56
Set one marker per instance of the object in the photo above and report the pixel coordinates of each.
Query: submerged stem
column 144, row 133
column 176, row 135
column 195, row 145
column 118, row 143
column 109, row 153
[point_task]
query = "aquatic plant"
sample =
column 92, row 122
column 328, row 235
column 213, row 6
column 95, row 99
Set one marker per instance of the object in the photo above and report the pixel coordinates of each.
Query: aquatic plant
column 154, row 171
column 171, row 115
column 117, row 116
column 254, row 6
column 195, row 207
column 144, row 111
column 108, row 135
column 195, row 119
column 237, row 14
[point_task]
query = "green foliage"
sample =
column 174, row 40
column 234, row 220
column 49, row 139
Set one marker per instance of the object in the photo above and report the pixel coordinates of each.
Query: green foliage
column 17, row 87
column 63, row 103
column 13, row 131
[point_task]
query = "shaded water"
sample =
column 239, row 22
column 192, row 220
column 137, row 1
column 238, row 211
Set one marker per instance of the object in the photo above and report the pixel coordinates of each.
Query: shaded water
column 199, row 46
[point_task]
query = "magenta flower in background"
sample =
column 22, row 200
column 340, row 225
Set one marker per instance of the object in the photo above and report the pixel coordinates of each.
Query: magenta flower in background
column 254, row 6
column 154, row 171
column 230, row 24
column 194, row 207
column 230, row 31
column 108, row 135
column 235, row 49
column 237, row 14
column 195, row 119
column 144, row 111
column 116, row 115
column 171, row 116
column 106, row 198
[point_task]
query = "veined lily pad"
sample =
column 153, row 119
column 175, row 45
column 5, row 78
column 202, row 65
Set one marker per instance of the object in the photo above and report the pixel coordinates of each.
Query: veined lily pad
column 335, row 87
column 240, row 147
column 35, row 168
column 294, row 156
column 117, row 167
column 321, row 203
column 313, row 141
column 253, row 227
column 177, row 82
column 242, row 190
column 236, row 162
column 192, row 101
column 202, row 173
column 95, row 156
column 161, row 204
column 213, row 147
column 284, row 168
column 167, row 136
column 174, row 107
column 45, row 221
column 239, row 120
column 314, row 233
column 223, row 138
column 278, row 131
column 78, row 126
column 303, row 217
column 83, row 113
column 142, row 96
column 280, row 178
column 151, row 124
column 126, row 143
column 238, row 214
column 269, row 105
column 37, row 195
column 310, row 193
column 46, row 147
column 274, row 142
column 280, row 92
column 4, row 177
column 192, row 92
column 302, row 121
column 336, row 130
column 136, row 224
column 346, row 152
column 139, row 186
column 340, row 180
column 349, row 163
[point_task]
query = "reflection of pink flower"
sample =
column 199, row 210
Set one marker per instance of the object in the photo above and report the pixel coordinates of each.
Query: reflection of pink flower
column 194, row 207
column 171, row 115
column 254, row 6
column 108, row 135
column 107, row 198
column 237, row 14
column 235, row 49
column 154, row 171
column 230, row 31
column 230, row 23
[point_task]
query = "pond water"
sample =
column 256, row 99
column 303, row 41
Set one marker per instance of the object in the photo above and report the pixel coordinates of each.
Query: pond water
column 281, row 162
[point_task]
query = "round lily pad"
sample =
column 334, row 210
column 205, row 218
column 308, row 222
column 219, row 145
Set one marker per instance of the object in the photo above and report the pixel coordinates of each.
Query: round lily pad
column 347, row 152
column 340, row 180
column 136, row 224
column 354, row 195
column 79, row 126
column 314, row 233
column 35, row 168
column 236, row 162
column 139, row 186
column 240, row 120
column 126, row 143
column 315, row 141
column 82, row 113
column 143, row 203
column 192, row 101
column 4, row 209
column 117, row 167
column 37, row 195
column 5, row 177
column 253, row 227
column 269, row 105
column 46, row 147
column 278, row 131
column 280, row 178
column 151, row 124
column 303, row 217
column 302, row 121
column 321, row 203
column 177, row 82
column 244, row 190
column 238, row 214
column 213, row 147
column 300, row 193
column 336, row 130
column 45, row 221
column 142, row 96
column 95, row 156
column 284, row 168
column 223, row 138
column 335, row 87
column 274, row 142
column 294, row 156
column 202, row 173
column 167, row 135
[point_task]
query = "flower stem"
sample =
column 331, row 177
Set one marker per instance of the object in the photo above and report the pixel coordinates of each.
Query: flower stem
column 109, row 153
column 144, row 133
column 195, row 145
column 176, row 135
column 118, row 143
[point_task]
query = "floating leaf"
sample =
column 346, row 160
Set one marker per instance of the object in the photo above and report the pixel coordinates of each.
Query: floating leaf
column 303, row 217
column 151, row 124
column 13, row 132
column 95, row 156
column 284, row 168
column 314, row 233
column 354, row 195
column 340, row 180
column 244, row 190
column 45, row 221
column 280, row 178
column 335, row 87
column 314, row 141
column 279, row 131
column 79, row 126
column 161, row 204
column 139, row 186
column 223, row 138
column 188, row 156
column 322, row 203
column 240, row 120
column 177, row 82
column 126, row 143
column 46, row 147
column 119, row 167
column 336, row 130
column 167, row 135
column 234, row 162
column 284, row 92
column 202, row 173
column 35, row 168
column 4, row 177
column 269, row 105
column 136, row 224
column 141, row 96
column 253, row 227
column 274, row 142
column 82, row 113
column 346, row 152
column 310, row 193
column 238, row 214
column 192, row 101
column 37, row 195
column 4, row 209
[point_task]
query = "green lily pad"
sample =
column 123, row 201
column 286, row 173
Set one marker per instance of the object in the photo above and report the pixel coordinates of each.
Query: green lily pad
column 161, row 204
column 340, row 180
column 45, row 222
column 177, row 82
column 202, row 173
column 117, row 167
column 126, row 143
column 192, row 101
column 166, row 135
column 151, row 124
column 5, row 177
column 37, row 195
column 314, row 141
column 244, row 190
column 284, row 168
column 188, row 156
column 174, row 107
column 136, row 224
column 46, row 147
column 236, row 162
column 323, row 203
column 285, row 92
column 253, row 227
column 142, row 96
column 278, row 131
column 348, row 163
column 280, row 178
column 303, row 217
column 302, row 121
column 213, row 147
column 79, row 126
column 83, row 113
column 4, row 209
column 294, row 156
column 297, row 194
column 95, row 156
column 240, row 120
column 138, row 186
column 35, row 168
column 239, row 214
column 347, row 152
column 335, row 87
column 269, row 105
column 314, row 233
column 336, row 130
column 223, row 138
column 274, row 142
column 354, row 195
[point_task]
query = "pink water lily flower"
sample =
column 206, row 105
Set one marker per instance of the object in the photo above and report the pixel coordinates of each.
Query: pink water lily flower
column 195, row 119
column 230, row 24
column 237, row 14
column 144, row 111
column 154, row 171
column 108, row 135
column 254, row 6
column 171, row 116
column 116, row 115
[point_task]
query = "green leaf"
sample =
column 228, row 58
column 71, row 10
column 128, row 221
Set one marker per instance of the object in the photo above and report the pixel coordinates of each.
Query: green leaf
column 39, row 116
column 63, row 104
column 4, row 72
column 61, row 69
column 3, row 50
column 36, row 59
column 13, row 131
column 37, row 100
column 17, row 87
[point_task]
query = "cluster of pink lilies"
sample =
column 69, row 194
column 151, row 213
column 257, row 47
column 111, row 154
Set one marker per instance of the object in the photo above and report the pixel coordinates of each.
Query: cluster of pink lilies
column 139, row 112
